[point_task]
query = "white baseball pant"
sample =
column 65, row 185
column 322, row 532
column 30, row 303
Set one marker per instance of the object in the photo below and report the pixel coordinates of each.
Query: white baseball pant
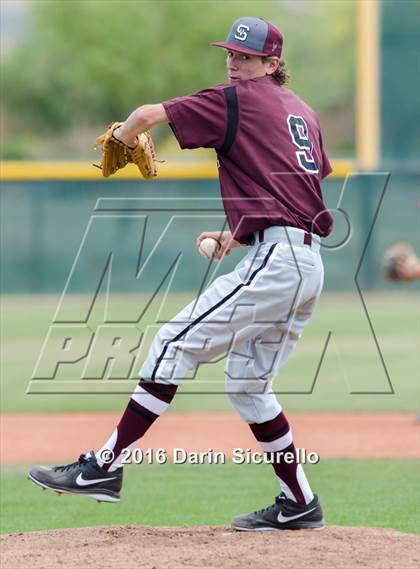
column 255, row 314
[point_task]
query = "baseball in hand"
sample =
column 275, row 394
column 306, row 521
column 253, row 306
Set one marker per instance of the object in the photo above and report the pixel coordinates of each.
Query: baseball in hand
column 208, row 247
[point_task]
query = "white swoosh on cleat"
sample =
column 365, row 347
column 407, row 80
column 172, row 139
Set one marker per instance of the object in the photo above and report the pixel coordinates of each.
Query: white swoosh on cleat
column 283, row 519
column 80, row 481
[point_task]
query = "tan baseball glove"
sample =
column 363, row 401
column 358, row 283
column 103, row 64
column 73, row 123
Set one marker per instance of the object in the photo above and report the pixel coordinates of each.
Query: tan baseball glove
column 116, row 155
column 401, row 263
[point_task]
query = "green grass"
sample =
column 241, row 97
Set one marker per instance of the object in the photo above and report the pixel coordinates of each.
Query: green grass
column 381, row 493
column 351, row 362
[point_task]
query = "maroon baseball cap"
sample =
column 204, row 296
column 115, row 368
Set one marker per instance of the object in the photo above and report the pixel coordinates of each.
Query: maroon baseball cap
column 253, row 36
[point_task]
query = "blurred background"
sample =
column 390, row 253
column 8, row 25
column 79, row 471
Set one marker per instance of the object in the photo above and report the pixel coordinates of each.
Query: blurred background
column 70, row 68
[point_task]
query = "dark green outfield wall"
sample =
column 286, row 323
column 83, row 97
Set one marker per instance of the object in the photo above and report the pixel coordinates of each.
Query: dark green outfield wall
column 399, row 84
column 44, row 223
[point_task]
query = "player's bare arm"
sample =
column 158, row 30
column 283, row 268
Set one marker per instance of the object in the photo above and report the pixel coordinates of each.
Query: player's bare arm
column 141, row 119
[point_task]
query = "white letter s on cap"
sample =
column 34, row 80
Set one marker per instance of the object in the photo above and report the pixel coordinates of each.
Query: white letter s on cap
column 241, row 32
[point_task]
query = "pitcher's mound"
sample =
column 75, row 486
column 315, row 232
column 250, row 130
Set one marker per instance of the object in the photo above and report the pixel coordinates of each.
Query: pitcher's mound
column 135, row 547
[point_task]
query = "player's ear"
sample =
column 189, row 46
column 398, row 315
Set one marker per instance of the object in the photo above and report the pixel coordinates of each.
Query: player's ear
column 274, row 64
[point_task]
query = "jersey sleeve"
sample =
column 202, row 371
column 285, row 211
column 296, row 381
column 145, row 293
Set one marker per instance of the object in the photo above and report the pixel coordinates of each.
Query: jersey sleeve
column 198, row 120
column 326, row 167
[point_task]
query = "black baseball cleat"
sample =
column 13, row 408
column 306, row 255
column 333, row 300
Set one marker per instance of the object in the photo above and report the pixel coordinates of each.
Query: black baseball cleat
column 283, row 514
column 84, row 477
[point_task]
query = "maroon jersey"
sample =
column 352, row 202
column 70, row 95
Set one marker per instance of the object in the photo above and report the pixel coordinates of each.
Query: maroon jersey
column 270, row 154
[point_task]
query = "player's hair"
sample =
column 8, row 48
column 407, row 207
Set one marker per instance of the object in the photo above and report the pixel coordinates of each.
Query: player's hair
column 281, row 75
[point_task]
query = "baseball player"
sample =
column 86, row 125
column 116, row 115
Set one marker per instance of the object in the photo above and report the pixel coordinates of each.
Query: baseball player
column 271, row 161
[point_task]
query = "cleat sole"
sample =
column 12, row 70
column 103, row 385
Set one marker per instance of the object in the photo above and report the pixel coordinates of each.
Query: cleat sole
column 94, row 495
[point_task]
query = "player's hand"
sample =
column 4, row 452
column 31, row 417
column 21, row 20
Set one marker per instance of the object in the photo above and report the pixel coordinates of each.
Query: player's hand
column 225, row 240
column 120, row 149
column 129, row 141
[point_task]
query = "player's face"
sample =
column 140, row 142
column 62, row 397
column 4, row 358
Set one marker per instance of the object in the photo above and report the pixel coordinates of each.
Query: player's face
column 241, row 66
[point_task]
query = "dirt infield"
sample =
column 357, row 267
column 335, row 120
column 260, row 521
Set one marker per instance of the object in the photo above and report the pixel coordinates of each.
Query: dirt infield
column 139, row 547
column 62, row 437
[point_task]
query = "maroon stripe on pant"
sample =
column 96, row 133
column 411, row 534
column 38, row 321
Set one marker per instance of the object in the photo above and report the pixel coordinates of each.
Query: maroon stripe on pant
column 163, row 392
column 270, row 430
